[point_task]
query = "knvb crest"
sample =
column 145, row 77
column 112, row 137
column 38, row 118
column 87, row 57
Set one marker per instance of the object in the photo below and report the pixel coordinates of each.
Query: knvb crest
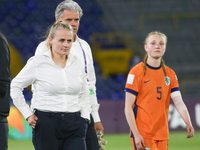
column 167, row 80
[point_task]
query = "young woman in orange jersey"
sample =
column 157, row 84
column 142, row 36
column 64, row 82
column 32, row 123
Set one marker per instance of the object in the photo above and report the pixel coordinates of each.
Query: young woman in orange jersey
column 149, row 86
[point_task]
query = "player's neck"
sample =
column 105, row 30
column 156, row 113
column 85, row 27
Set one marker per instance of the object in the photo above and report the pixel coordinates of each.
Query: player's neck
column 154, row 62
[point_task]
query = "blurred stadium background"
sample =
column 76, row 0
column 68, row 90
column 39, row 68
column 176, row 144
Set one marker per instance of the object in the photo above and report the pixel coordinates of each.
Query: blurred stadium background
column 115, row 29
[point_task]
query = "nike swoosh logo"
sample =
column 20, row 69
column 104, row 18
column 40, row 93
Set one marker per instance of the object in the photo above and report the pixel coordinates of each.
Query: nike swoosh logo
column 146, row 81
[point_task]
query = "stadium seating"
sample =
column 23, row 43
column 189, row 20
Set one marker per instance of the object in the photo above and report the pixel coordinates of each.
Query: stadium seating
column 178, row 19
column 24, row 23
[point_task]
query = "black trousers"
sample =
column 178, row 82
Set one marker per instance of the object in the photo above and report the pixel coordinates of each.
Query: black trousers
column 3, row 133
column 91, row 136
column 59, row 131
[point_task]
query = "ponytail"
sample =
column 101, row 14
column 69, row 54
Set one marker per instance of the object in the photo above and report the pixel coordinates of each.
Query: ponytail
column 163, row 66
column 146, row 56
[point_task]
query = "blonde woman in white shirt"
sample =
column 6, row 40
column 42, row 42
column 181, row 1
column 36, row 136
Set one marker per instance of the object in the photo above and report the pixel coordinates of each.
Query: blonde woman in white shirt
column 69, row 11
column 60, row 106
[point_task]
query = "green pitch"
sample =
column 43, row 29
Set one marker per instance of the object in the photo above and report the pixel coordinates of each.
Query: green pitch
column 177, row 141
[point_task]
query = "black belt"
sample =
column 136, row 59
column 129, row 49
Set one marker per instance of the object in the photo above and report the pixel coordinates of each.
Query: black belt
column 57, row 114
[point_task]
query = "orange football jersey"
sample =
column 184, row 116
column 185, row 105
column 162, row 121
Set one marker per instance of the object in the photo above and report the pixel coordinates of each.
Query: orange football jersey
column 152, row 99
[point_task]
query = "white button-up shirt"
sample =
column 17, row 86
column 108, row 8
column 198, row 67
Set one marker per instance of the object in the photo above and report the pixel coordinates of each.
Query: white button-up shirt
column 56, row 89
column 78, row 51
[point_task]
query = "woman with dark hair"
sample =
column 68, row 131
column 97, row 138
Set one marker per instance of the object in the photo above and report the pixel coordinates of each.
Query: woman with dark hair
column 4, row 91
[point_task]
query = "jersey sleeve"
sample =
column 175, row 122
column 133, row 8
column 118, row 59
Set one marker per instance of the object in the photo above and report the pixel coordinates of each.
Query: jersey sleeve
column 174, row 81
column 133, row 82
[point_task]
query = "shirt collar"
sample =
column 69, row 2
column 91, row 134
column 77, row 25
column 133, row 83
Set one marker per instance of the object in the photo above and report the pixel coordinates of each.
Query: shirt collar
column 77, row 39
column 155, row 68
column 69, row 59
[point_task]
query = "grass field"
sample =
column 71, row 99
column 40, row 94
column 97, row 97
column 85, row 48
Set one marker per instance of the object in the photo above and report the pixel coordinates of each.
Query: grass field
column 177, row 141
